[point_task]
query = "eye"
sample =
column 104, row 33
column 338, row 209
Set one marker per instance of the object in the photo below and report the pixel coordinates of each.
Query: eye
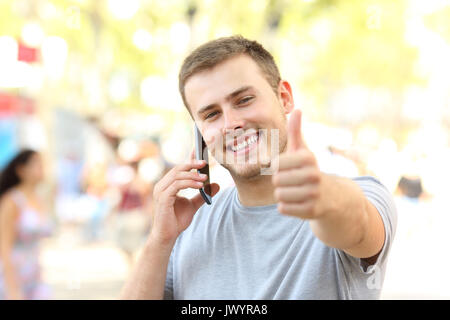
column 245, row 99
column 210, row 115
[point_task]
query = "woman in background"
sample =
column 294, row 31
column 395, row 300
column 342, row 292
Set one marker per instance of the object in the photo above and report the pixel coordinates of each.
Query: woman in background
column 22, row 224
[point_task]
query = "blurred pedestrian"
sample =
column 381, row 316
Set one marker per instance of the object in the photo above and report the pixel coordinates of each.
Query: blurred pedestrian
column 23, row 222
column 410, row 186
column 132, row 216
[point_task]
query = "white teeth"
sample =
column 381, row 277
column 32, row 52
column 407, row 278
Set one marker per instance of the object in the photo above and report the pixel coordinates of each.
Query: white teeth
column 244, row 144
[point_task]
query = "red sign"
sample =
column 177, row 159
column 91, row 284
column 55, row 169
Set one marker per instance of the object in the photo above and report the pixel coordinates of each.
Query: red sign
column 10, row 104
column 27, row 54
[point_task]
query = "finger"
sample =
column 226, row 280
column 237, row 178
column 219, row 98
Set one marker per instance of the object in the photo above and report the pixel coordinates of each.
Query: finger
column 298, row 159
column 168, row 179
column 198, row 200
column 192, row 156
column 190, row 175
column 178, row 185
column 295, row 140
column 294, row 177
column 296, row 194
column 194, row 164
column 304, row 210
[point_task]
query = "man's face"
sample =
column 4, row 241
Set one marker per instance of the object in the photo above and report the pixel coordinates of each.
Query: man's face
column 237, row 110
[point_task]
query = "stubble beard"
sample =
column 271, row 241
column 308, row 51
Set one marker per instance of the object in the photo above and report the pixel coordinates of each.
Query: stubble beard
column 252, row 171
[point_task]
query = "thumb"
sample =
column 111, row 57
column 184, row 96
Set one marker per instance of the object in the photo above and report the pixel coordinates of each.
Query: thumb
column 295, row 140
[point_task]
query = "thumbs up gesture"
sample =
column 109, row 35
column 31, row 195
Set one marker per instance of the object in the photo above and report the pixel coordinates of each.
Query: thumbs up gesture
column 297, row 180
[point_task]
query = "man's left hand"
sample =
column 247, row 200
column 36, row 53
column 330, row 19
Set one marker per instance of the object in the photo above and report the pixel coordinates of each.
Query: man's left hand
column 298, row 181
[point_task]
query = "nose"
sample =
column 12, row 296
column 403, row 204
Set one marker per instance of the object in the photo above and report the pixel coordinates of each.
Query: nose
column 232, row 121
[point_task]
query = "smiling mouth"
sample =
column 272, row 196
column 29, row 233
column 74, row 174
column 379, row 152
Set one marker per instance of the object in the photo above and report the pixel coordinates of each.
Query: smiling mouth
column 246, row 144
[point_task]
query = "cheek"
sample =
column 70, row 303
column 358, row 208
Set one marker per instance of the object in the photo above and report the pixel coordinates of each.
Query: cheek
column 212, row 134
column 38, row 170
column 265, row 110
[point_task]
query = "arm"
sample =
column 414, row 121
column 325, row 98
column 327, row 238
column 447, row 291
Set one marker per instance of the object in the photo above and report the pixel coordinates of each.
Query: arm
column 347, row 220
column 340, row 214
column 149, row 275
column 8, row 221
column 171, row 216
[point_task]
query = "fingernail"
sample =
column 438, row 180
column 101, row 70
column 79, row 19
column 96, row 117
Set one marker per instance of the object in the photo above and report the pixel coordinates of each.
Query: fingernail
column 203, row 175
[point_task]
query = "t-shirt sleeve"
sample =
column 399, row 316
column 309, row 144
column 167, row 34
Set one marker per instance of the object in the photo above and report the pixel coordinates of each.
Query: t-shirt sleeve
column 383, row 201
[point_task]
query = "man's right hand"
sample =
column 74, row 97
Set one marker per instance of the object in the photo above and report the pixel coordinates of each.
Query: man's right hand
column 173, row 214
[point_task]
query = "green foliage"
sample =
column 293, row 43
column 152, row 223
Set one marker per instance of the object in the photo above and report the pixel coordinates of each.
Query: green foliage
column 346, row 42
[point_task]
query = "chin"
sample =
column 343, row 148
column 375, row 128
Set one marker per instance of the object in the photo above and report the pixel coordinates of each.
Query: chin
column 244, row 172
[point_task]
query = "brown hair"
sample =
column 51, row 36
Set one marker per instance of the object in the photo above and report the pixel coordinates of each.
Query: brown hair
column 216, row 51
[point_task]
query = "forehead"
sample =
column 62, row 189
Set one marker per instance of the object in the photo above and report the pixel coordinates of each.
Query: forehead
column 35, row 157
column 211, row 86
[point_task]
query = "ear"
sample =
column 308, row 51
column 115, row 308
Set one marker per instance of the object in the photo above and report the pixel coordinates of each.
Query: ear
column 285, row 96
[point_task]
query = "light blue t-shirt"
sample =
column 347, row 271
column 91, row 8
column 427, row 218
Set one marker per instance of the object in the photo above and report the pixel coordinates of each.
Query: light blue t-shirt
column 234, row 252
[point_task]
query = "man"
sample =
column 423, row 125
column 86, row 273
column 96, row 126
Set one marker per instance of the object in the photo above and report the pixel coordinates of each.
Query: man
column 295, row 234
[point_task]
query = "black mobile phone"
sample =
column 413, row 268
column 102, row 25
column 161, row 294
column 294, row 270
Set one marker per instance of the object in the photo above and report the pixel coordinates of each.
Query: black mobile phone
column 201, row 153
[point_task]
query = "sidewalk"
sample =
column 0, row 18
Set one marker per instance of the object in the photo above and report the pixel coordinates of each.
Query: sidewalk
column 76, row 270
column 417, row 264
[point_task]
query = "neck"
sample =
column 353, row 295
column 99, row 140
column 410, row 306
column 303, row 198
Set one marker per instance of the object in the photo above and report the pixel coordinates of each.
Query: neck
column 258, row 191
column 27, row 188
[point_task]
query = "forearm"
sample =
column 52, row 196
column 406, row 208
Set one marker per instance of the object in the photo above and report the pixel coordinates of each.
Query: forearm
column 342, row 218
column 149, row 275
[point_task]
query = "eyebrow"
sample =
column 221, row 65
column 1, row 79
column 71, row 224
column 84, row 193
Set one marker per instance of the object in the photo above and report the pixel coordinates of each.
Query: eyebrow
column 227, row 98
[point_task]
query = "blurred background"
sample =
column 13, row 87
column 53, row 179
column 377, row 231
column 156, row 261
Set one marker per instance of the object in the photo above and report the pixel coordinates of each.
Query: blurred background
column 92, row 85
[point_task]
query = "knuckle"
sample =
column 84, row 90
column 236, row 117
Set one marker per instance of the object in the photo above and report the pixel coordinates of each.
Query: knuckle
column 177, row 175
column 184, row 175
column 300, row 158
column 175, row 169
column 307, row 156
column 282, row 208
column 283, row 157
column 276, row 179
column 315, row 176
column 308, row 210
column 157, row 189
column 314, row 194
column 307, row 153
column 175, row 184
column 278, row 194
column 180, row 167
column 301, row 154
column 309, row 206
column 318, row 177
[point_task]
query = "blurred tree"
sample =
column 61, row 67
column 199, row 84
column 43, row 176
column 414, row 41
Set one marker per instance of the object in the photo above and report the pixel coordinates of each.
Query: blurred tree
column 322, row 46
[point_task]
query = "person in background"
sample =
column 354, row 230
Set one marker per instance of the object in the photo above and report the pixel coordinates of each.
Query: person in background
column 23, row 223
column 132, row 217
column 354, row 156
column 410, row 186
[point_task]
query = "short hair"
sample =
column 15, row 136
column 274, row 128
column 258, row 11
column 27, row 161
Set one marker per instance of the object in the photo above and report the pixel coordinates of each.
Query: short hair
column 214, row 52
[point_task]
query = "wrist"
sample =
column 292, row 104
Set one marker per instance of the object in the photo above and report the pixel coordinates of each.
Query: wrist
column 326, row 202
column 160, row 243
